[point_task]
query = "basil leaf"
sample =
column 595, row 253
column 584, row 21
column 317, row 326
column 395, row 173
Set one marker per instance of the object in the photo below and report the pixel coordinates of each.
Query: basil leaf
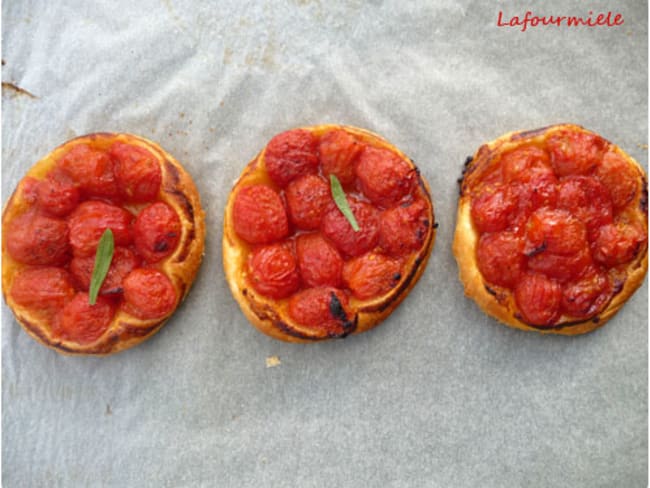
column 341, row 202
column 103, row 259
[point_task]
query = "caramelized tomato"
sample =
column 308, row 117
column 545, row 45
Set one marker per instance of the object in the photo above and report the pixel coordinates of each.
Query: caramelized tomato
column 493, row 208
column 538, row 299
column 323, row 308
column 123, row 262
column 37, row 239
column 383, row 176
column 57, row 196
column 559, row 267
column 92, row 170
column 307, row 199
column 575, row 153
column 338, row 151
column 319, row 262
column 273, row 270
column 89, row 221
column 156, row 231
column 588, row 200
column 84, row 323
column 500, row 258
column 371, row 275
column 555, row 232
column 291, row 154
column 620, row 179
column 338, row 230
column 137, row 172
column 259, row 216
column 618, row 243
column 525, row 163
column 587, row 295
column 404, row 228
column 45, row 288
column 149, row 294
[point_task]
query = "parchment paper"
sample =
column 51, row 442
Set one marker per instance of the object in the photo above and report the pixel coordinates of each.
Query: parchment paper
column 438, row 395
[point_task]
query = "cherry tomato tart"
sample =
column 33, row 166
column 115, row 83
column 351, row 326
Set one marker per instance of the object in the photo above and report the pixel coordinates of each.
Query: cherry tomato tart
column 552, row 232
column 297, row 267
column 51, row 228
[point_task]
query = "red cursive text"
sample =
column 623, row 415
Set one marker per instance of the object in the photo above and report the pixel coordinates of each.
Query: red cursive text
column 608, row 19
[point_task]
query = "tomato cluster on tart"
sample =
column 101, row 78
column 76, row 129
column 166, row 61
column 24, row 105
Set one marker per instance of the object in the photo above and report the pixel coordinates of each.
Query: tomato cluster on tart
column 298, row 269
column 51, row 228
column 552, row 230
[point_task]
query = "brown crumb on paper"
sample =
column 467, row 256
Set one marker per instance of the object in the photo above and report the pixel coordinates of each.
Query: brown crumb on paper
column 643, row 146
column 16, row 90
column 272, row 361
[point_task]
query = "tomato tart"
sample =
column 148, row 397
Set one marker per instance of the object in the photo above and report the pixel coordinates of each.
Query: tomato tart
column 300, row 268
column 552, row 231
column 54, row 220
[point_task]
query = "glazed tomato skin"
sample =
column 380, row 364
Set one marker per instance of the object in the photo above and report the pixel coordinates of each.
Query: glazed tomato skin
column 337, row 152
column 123, row 262
column 307, row 199
column 291, row 154
column 371, row 275
column 92, row 170
column 560, row 267
column 137, row 172
column 383, row 176
column 273, row 271
column 36, row 239
column 618, row 243
column 148, row 294
column 588, row 295
column 323, row 308
column 575, row 153
column 538, row 299
column 556, row 232
column 492, row 208
column 588, row 200
column 156, row 231
column 259, row 216
column 89, row 221
column 500, row 258
column 403, row 228
column 44, row 288
column 339, row 231
column 57, row 196
column 524, row 163
column 319, row 262
column 84, row 323
column 620, row 179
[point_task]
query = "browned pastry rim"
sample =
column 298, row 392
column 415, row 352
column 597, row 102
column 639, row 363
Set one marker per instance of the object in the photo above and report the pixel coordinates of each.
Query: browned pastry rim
column 499, row 302
column 177, row 190
column 271, row 316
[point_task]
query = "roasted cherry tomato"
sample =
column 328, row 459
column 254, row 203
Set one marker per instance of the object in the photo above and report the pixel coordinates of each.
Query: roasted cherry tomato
column 371, row 275
column 620, row 179
column 404, row 228
column 319, row 262
column 84, row 323
column 323, row 308
column 538, row 299
column 89, row 221
column 291, row 154
column 525, row 163
column 618, row 243
column 123, row 262
column 560, row 267
column 57, row 195
column 149, row 294
column 137, row 171
column 500, row 258
column 33, row 238
column 338, row 151
column 587, row 295
column 384, row 177
column 493, row 208
column 273, row 270
column 92, row 170
column 588, row 200
column 307, row 199
column 156, row 231
column 259, row 215
column 338, row 230
column 556, row 232
column 575, row 153
column 44, row 288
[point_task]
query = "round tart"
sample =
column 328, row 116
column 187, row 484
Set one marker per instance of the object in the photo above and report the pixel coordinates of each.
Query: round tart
column 552, row 232
column 51, row 227
column 298, row 269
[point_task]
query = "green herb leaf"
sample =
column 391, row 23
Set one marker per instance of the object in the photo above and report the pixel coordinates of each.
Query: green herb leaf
column 103, row 259
column 341, row 202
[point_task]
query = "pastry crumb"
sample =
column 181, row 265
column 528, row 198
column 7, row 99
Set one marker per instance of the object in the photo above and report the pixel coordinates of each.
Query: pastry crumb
column 272, row 361
column 642, row 146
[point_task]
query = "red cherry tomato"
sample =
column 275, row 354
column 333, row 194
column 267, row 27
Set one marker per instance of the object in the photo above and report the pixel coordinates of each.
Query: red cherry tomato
column 273, row 271
column 291, row 154
column 259, row 216
column 123, row 262
column 575, row 153
column 84, row 323
column 618, row 243
column 620, row 179
column 588, row 200
column 57, row 195
column 500, row 258
column 149, row 294
column 525, row 163
column 404, row 228
column 323, row 308
column 384, row 177
column 307, row 199
column 37, row 239
column 92, row 170
column 338, row 230
column 538, row 299
column 587, row 295
column 89, row 221
column 137, row 171
column 371, row 275
column 156, row 231
column 561, row 268
column 338, row 151
column 555, row 231
column 492, row 209
column 319, row 262
column 46, row 289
